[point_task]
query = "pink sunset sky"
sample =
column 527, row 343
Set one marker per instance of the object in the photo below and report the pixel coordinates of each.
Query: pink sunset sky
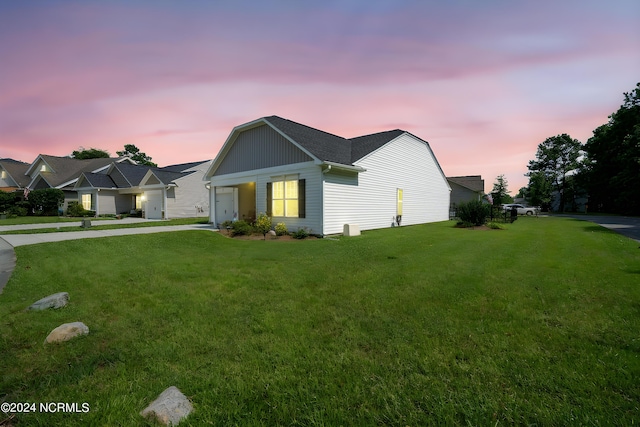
column 484, row 82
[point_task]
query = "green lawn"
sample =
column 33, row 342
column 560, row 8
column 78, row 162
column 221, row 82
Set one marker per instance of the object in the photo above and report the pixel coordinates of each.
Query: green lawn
column 537, row 324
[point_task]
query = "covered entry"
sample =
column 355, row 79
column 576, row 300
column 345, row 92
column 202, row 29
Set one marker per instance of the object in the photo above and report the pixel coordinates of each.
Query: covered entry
column 236, row 202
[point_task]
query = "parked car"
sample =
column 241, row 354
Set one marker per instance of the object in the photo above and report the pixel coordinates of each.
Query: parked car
column 522, row 210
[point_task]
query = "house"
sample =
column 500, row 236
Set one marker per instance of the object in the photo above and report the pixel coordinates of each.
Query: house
column 312, row 179
column 63, row 172
column 174, row 191
column 465, row 188
column 13, row 176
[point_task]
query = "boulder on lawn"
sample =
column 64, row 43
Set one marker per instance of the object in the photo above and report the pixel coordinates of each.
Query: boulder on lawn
column 67, row 331
column 169, row 408
column 52, row 301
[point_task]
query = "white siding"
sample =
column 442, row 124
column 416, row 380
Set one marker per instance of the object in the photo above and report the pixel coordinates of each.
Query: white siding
column 189, row 193
column 369, row 199
column 308, row 171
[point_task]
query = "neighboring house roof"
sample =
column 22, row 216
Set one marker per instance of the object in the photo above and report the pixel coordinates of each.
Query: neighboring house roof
column 97, row 180
column 167, row 177
column 16, row 171
column 183, row 166
column 64, row 171
column 125, row 175
column 472, row 182
column 131, row 175
column 320, row 145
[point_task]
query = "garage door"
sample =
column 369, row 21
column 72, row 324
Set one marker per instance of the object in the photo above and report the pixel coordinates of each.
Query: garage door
column 154, row 205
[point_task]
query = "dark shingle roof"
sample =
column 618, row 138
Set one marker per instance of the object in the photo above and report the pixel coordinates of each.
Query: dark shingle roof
column 472, row 182
column 182, row 167
column 323, row 145
column 332, row 148
column 16, row 171
column 363, row 145
column 65, row 169
column 100, row 180
column 167, row 177
column 132, row 173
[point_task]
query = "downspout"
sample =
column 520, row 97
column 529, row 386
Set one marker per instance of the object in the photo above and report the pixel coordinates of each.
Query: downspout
column 97, row 202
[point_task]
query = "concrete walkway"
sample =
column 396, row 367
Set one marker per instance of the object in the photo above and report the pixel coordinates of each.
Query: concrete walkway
column 9, row 241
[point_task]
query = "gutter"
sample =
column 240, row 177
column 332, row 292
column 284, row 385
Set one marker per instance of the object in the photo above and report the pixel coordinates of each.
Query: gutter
column 338, row 166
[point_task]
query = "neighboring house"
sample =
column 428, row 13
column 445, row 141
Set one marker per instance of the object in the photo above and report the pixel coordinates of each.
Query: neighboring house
column 63, row 172
column 13, row 176
column 308, row 178
column 465, row 188
column 174, row 191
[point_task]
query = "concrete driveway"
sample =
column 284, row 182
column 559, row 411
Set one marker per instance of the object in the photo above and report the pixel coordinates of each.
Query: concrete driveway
column 628, row 226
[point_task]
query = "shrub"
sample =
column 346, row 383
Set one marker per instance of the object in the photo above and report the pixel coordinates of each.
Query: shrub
column 7, row 200
column 281, row 229
column 46, row 201
column 300, row 233
column 14, row 211
column 75, row 209
column 263, row 225
column 241, row 228
column 495, row 226
column 474, row 212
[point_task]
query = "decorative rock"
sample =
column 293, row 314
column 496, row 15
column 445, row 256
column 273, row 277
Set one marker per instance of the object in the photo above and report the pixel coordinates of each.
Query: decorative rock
column 67, row 331
column 271, row 233
column 52, row 301
column 169, row 408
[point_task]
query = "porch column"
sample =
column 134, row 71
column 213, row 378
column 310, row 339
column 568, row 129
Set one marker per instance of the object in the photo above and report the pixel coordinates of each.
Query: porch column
column 164, row 202
column 212, row 205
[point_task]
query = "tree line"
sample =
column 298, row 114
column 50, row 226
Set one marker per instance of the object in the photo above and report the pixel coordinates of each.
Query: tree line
column 603, row 174
column 130, row 151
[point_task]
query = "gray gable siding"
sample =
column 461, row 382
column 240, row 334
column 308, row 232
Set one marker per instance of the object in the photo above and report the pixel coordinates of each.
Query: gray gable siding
column 258, row 148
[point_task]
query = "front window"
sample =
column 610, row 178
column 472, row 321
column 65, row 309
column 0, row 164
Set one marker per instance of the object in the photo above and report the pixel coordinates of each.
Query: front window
column 138, row 202
column 86, row 201
column 285, row 196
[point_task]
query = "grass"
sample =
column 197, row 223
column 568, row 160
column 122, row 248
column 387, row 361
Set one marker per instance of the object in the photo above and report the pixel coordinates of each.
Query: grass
column 535, row 324
column 112, row 226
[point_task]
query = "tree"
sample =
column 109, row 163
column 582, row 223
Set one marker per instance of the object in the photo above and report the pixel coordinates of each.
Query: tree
column 91, row 153
column 263, row 225
column 136, row 155
column 612, row 166
column 556, row 157
column 500, row 192
column 539, row 191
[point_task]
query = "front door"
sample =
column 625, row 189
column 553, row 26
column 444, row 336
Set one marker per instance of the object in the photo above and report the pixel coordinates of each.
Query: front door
column 226, row 204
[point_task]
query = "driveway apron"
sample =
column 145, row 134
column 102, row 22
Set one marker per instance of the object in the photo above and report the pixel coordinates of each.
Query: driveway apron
column 628, row 226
